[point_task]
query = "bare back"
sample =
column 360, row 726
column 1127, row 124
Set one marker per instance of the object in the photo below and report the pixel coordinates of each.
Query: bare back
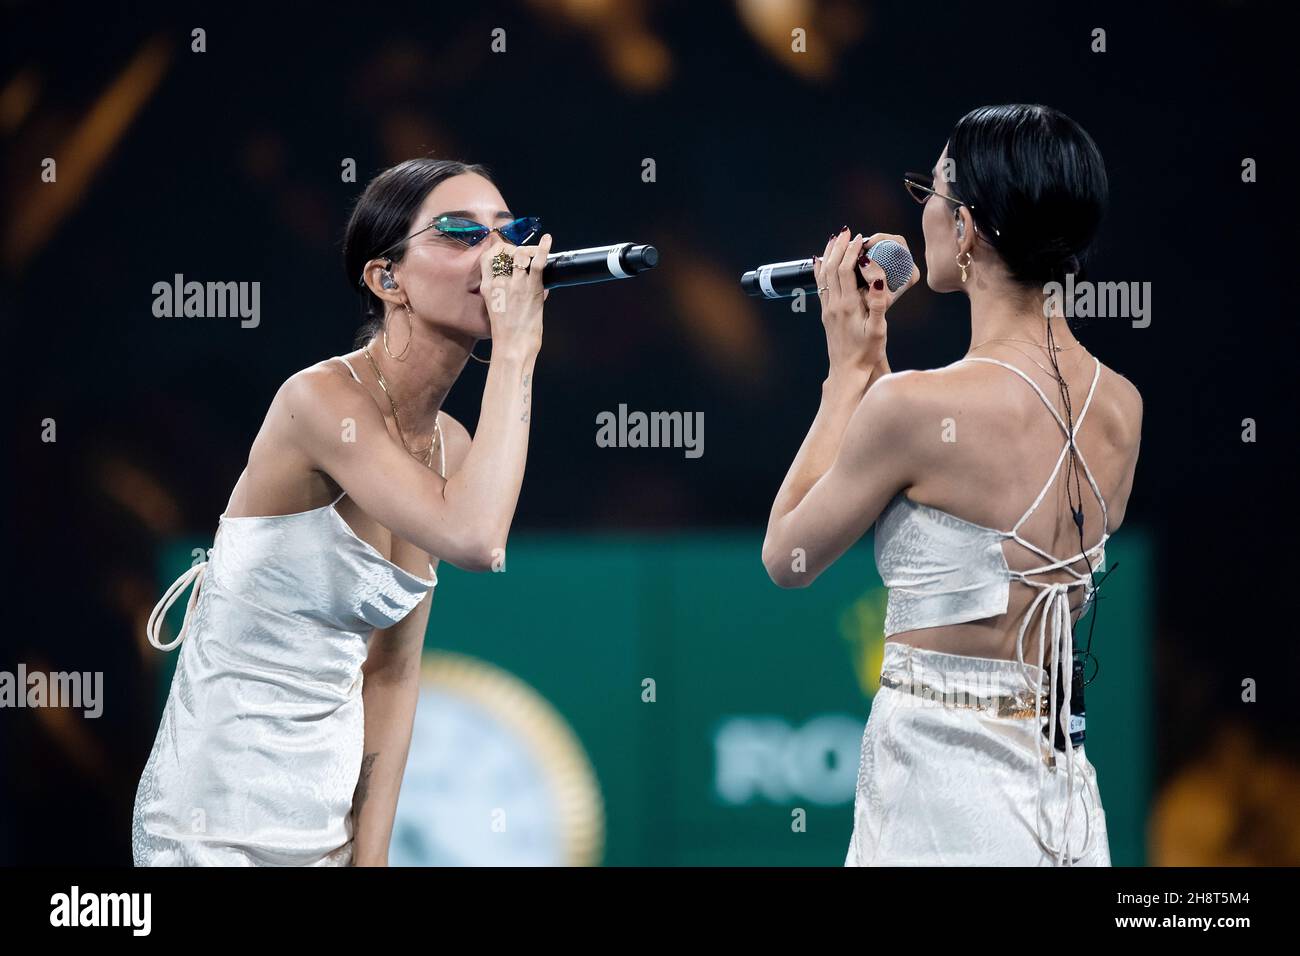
column 995, row 446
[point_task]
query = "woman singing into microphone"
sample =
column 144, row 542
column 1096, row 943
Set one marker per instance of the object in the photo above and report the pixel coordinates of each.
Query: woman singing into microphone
column 285, row 733
column 993, row 484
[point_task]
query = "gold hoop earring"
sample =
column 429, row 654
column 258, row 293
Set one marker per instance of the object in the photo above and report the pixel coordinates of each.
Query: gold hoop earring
column 969, row 259
column 410, row 334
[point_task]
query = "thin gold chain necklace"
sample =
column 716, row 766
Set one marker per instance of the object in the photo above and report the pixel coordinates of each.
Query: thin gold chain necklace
column 1050, row 373
column 397, row 421
column 1058, row 348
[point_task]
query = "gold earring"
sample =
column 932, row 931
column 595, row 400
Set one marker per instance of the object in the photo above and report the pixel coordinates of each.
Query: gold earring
column 963, row 265
column 410, row 333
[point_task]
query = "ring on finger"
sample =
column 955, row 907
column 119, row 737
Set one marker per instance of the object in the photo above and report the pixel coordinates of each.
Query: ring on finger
column 503, row 264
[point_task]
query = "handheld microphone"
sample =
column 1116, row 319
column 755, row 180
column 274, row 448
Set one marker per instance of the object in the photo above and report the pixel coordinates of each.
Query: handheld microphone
column 598, row 264
column 783, row 279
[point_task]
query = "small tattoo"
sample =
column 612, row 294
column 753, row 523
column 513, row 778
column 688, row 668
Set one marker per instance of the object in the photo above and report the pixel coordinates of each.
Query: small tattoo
column 363, row 781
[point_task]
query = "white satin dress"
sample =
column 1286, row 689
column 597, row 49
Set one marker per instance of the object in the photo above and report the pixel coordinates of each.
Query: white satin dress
column 259, row 749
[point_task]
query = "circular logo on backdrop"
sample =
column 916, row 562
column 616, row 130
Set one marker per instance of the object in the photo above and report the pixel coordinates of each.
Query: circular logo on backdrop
column 495, row 776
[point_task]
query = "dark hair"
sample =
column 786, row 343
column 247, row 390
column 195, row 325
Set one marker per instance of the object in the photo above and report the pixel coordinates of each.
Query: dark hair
column 382, row 218
column 1037, row 187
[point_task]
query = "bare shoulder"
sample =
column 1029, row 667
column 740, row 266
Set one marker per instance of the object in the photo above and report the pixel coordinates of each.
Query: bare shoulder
column 889, row 412
column 898, row 396
column 917, row 393
column 1124, row 407
column 321, row 398
column 458, row 441
column 1128, row 395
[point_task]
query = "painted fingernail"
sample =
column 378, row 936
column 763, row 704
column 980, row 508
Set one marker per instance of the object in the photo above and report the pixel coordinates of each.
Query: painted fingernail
column 878, row 284
column 863, row 260
column 842, row 228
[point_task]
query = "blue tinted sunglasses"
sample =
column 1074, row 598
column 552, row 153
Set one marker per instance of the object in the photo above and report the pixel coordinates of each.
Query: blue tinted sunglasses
column 471, row 233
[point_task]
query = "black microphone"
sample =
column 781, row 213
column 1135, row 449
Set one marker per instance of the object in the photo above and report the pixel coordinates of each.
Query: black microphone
column 783, row 279
column 598, row 264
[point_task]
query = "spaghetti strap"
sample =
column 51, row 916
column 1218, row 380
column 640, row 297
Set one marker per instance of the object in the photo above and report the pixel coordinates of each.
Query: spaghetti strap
column 350, row 368
column 437, row 427
column 1092, row 389
column 1054, row 602
column 442, row 447
column 1096, row 376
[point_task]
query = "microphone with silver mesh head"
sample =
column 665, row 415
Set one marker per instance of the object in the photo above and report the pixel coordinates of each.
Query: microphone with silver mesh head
column 780, row 280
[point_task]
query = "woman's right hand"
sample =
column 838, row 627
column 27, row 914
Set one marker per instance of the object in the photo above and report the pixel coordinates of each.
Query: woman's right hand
column 514, row 302
column 855, row 335
column 854, row 318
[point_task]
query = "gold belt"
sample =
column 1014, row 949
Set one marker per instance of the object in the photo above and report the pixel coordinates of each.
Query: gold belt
column 1018, row 705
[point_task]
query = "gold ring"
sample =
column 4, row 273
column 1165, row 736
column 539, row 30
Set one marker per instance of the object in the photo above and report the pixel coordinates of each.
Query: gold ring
column 503, row 264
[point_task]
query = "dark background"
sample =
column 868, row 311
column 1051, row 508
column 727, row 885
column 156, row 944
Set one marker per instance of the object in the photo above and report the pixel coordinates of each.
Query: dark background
column 225, row 165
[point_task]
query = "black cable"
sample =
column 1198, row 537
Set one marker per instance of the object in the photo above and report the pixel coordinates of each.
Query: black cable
column 1077, row 513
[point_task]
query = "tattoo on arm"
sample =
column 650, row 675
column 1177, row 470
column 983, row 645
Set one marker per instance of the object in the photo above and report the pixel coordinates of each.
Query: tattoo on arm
column 363, row 782
column 524, row 417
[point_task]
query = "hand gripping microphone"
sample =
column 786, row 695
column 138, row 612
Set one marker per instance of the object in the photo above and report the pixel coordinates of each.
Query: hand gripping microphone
column 783, row 279
column 598, row 264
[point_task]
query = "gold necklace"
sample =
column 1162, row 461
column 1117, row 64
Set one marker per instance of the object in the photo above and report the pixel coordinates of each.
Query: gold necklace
column 1052, row 375
column 1058, row 348
column 397, row 421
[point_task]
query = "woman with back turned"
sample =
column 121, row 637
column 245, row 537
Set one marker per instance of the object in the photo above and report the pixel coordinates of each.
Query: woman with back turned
column 286, row 730
column 993, row 484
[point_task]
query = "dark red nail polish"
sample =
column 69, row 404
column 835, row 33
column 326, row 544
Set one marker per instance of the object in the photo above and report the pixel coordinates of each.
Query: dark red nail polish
column 863, row 260
column 878, row 284
column 842, row 228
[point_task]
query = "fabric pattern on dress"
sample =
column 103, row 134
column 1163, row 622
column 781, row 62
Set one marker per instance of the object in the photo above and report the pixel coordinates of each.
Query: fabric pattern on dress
column 943, row 783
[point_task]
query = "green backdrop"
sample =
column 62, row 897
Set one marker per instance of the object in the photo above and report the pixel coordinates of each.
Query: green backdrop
column 760, row 694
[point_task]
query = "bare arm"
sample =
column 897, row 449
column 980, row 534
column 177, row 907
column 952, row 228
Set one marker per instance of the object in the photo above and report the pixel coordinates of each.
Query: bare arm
column 389, row 693
column 466, row 518
column 1119, row 502
column 849, row 460
column 842, row 478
